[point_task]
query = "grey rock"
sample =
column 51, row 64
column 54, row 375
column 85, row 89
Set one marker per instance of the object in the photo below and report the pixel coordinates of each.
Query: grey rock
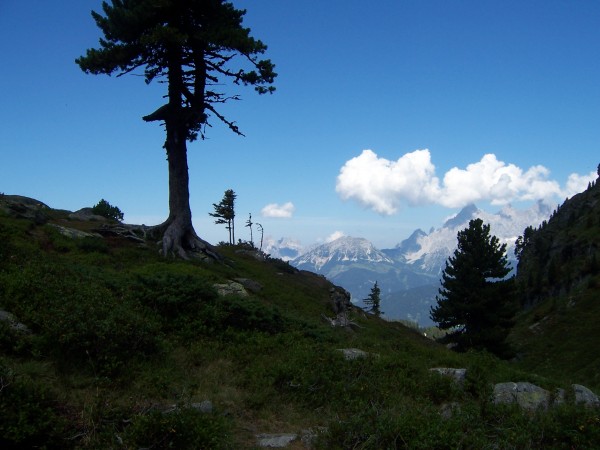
column 276, row 440
column 205, row 406
column 231, row 288
column 253, row 286
column 585, row 396
column 353, row 353
column 340, row 299
column 458, row 375
column 73, row 233
column 13, row 323
column 24, row 208
column 527, row 395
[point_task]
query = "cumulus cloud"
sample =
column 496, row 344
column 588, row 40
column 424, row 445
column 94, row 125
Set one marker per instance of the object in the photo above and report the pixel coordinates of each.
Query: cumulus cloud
column 578, row 183
column 384, row 186
column 284, row 211
column 497, row 182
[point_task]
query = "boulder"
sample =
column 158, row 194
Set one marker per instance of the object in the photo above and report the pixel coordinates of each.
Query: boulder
column 253, row 286
column 340, row 299
column 231, row 288
column 585, row 396
column 526, row 395
column 13, row 323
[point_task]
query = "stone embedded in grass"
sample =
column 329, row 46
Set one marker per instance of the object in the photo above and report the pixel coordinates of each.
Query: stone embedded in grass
column 72, row 233
column 230, row 288
column 353, row 353
column 13, row 322
column 532, row 397
column 585, row 396
column 276, row 440
column 527, row 395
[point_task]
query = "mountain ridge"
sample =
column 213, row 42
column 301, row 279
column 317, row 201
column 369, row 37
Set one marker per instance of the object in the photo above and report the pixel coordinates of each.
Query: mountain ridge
column 415, row 262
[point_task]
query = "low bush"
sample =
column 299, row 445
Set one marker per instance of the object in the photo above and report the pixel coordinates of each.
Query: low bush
column 184, row 428
column 27, row 414
column 80, row 320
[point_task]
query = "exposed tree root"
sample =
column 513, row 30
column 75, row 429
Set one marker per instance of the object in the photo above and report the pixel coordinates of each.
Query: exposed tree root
column 180, row 239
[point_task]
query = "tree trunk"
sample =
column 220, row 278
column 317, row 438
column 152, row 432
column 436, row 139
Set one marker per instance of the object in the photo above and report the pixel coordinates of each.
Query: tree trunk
column 178, row 234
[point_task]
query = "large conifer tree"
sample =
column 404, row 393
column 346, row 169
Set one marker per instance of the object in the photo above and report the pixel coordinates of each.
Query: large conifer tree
column 475, row 302
column 192, row 45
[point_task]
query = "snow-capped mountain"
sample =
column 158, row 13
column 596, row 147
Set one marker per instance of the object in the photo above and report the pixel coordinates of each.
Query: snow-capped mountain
column 432, row 250
column 355, row 264
column 413, row 267
column 345, row 250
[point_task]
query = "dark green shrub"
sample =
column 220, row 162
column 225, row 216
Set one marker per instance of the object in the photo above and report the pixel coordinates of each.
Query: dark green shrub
column 251, row 315
column 27, row 414
column 79, row 319
column 105, row 209
column 172, row 295
column 92, row 245
column 184, row 428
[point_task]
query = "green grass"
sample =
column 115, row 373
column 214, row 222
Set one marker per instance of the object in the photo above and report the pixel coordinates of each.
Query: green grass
column 120, row 334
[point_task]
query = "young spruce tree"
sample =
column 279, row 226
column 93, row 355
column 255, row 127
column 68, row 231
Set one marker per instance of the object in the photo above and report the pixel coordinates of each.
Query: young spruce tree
column 225, row 213
column 475, row 303
column 374, row 300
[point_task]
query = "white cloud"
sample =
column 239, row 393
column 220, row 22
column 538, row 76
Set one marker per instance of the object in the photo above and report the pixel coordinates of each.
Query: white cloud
column 384, row 186
column 334, row 236
column 497, row 182
column 578, row 183
column 284, row 211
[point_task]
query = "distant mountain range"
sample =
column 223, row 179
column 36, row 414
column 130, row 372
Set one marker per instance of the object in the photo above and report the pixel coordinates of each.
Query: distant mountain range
column 409, row 273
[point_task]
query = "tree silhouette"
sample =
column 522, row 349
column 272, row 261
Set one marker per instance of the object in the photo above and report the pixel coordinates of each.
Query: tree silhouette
column 191, row 45
column 249, row 224
column 374, row 300
column 225, row 213
column 475, row 302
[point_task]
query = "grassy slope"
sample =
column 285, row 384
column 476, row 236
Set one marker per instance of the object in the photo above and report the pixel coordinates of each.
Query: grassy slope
column 119, row 333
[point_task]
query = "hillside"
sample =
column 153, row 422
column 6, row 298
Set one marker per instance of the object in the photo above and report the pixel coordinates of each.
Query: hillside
column 104, row 344
column 559, row 280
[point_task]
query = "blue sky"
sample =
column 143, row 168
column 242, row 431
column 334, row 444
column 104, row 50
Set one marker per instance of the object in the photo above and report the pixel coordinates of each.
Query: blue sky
column 493, row 102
